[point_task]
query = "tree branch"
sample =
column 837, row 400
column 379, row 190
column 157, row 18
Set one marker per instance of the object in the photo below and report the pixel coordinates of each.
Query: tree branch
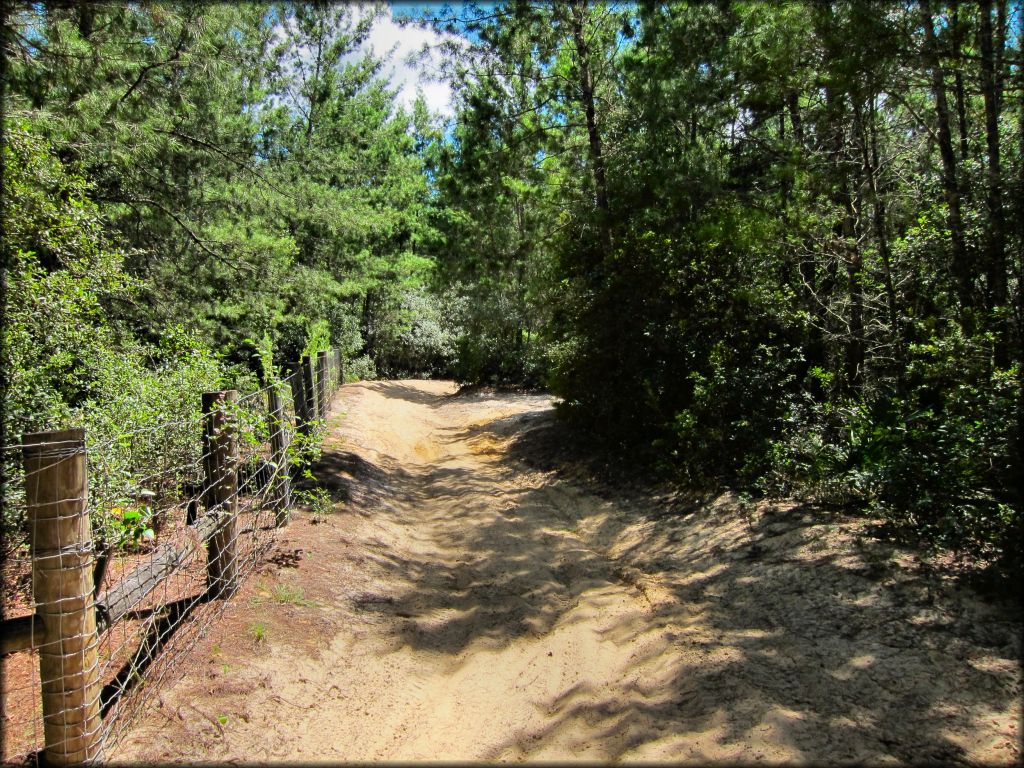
column 237, row 267
column 138, row 81
column 226, row 155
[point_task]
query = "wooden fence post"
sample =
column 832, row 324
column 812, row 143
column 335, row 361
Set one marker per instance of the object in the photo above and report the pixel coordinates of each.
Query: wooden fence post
column 279, row 456
column 220, row 453
column 323, row 390
column 308, row 390
column 56, row 492
column 339, row 366
column 298, row 401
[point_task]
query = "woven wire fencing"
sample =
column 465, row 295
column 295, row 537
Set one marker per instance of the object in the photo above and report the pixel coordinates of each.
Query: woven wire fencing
column 120, row 554
column 21, row 700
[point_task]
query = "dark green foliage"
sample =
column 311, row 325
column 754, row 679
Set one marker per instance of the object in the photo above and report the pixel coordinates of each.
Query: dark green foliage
column 773, row 245
column 762, row 266
column 188, row 206
column 256, row 173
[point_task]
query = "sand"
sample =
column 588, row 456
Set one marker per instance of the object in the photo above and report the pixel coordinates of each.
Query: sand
column 464, row 600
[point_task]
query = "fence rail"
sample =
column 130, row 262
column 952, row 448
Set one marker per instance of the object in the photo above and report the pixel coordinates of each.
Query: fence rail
column 122, row 574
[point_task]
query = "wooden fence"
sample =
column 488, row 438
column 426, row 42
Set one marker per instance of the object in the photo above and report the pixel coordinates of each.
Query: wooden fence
column 87, row 657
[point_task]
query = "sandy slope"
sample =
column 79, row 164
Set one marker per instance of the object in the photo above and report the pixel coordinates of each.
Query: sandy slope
column 458, row 604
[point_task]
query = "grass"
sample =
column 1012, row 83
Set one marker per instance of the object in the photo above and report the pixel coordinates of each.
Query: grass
column 258, row 630
column 286, row 594
column 282, row 594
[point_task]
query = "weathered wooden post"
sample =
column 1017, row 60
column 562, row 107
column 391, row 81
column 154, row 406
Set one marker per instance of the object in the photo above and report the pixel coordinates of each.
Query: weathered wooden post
column 302, row 417
column 56, row 491
column 308, row 390
column 298, row 400
column 339, row 366
column 279, row 456
column 323, row 389
column 220, row 453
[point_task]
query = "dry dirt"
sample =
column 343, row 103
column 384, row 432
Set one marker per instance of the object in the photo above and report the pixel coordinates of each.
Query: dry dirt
column 459, row 603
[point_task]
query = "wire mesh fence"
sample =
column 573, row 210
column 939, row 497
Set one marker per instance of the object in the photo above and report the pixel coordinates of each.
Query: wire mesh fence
column 118, row 556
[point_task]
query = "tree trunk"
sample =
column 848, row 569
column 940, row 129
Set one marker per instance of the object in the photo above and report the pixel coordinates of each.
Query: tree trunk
column 852, row 343
column 314, row 96
column 869, row 160
column 794, row 117
column 579, row 10
column 854, row 352
column 960, row 268
column 86, row 19
column 958, row 81
column 961, row 112
column 995, row 242
column 1019, row 268
column 368, row 329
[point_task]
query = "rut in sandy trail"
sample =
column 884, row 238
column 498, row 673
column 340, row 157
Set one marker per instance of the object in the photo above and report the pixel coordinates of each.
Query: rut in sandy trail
column 460, row 603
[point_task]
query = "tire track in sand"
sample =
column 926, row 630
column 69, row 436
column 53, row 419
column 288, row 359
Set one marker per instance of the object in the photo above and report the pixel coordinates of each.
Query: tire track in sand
column 458, row 605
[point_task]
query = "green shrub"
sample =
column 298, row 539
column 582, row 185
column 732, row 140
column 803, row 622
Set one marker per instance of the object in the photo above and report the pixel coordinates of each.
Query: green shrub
column 935, row 462
column 360, row 369
column 412, row 339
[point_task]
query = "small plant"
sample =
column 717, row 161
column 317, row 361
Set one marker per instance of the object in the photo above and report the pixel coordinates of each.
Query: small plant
column 319, row 502
column 304, row 450
column 130, row 527
column 287, row 594
column 258, row 630
column 747, row 507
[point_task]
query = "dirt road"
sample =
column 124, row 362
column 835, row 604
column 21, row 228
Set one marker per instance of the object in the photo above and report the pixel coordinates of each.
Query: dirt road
column 458, row 603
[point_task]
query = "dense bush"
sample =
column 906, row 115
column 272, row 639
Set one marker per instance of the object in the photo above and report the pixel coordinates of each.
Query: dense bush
column 414, row 340
column 780, row 262
column 70, row 357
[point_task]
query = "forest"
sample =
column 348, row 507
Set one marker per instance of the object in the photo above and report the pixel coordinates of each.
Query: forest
column 776, row 247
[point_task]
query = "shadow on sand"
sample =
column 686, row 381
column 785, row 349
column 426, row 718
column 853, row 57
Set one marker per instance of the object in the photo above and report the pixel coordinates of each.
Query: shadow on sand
column 777, row 625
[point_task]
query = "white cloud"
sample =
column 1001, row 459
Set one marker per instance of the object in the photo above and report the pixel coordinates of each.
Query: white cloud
column 396, row 45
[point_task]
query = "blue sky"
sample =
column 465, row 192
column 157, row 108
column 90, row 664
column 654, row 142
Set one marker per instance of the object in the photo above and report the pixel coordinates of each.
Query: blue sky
column 420, row 9
column 414, row 9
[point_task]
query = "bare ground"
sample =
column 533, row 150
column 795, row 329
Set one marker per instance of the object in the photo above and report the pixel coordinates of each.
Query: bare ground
column 459, row 603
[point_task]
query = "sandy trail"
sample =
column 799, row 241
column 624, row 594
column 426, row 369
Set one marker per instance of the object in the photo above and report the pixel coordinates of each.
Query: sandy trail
column 458, row 604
